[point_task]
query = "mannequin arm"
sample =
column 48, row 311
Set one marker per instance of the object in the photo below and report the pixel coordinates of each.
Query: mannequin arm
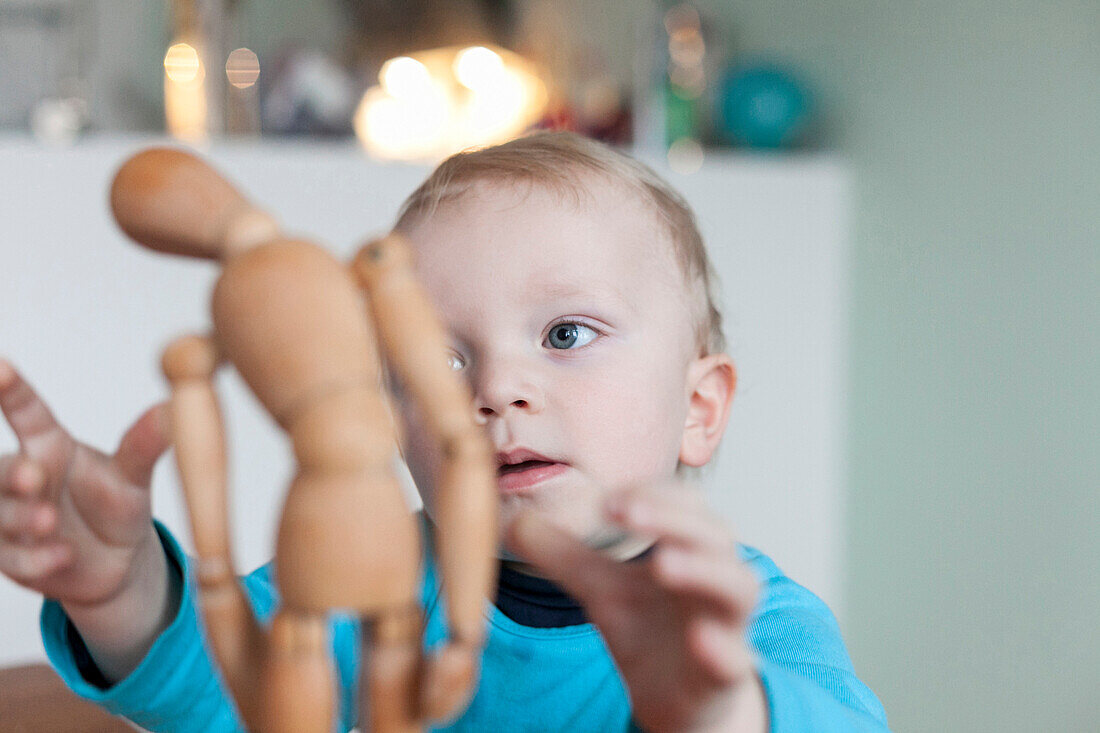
column 198, row 435
column 466, row 502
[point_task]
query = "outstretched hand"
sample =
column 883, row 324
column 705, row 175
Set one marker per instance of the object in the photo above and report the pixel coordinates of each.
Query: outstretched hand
column 673, row 621
column 73, row 520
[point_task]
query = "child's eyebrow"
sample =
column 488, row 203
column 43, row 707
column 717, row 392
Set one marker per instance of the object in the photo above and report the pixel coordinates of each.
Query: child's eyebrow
column 599, row 293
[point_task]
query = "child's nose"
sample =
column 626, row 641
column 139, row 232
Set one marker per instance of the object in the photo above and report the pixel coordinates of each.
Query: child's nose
column 489, row 408
column 488, row 411
column 504, row 391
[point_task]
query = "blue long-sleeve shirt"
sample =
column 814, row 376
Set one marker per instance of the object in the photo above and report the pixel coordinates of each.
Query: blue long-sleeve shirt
column 532, row 679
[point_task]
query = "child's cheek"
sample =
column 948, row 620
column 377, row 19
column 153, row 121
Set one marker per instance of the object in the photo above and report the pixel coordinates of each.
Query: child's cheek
column 419, row 452
column 628, row 429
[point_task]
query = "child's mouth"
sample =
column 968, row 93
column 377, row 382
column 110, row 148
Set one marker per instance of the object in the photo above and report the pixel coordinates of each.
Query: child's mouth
column 525, row 465
column 518, row 477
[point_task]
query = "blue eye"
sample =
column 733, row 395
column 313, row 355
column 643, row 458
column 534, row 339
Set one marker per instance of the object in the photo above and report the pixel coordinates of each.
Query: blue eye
column 455, row 362
column 569, row 335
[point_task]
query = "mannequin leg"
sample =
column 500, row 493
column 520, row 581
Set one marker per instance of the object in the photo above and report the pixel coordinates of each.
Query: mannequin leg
column 299, row 685
column 390, row 680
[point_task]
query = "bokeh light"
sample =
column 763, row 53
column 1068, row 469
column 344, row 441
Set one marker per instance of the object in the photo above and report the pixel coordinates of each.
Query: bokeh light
column 182, row 64
column 438, row 102
column 242, row 68
column 478, row 68
column 685, row 156
column 405, row 77
column 185, row 108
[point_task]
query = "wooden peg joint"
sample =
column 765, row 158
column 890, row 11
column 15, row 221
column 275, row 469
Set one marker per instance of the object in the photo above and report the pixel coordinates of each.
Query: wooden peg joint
column 189, row 358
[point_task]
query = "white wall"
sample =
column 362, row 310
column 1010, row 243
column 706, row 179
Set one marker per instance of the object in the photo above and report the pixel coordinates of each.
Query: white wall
column 86, row 313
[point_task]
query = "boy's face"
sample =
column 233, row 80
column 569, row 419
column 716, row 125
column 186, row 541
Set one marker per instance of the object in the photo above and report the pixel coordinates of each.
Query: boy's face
column 573, row 328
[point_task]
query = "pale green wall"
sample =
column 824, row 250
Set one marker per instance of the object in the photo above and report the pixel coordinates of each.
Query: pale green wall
column 973, row 597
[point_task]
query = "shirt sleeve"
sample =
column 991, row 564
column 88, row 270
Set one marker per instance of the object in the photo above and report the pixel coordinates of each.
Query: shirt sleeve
column 177, row 686
column 808, row 678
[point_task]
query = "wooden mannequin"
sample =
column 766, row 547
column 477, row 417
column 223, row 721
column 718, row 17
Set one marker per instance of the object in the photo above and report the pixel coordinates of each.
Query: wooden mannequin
column 292, row 320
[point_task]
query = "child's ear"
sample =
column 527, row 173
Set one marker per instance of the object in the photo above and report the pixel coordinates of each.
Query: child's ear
column 711, row 383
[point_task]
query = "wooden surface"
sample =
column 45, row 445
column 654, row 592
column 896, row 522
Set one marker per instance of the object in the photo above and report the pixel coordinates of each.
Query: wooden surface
column 33, row 699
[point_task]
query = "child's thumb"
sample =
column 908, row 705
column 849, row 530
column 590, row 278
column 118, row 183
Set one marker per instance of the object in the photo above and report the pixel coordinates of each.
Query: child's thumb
column 143, row 444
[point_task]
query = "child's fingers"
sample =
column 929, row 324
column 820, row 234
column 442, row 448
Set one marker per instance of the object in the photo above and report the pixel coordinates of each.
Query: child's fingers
column 141, row 446
column 28, row 415
column 719, row 581
column 22, row 520
column 30, row 564
column 680, row 519
column 21, row 477
column 720, row 650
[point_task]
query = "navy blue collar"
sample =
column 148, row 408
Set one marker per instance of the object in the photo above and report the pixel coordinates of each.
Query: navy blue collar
column 538, row 602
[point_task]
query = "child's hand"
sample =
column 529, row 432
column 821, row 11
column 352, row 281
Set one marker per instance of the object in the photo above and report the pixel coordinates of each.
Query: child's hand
column 75, row 524
column 674, row 621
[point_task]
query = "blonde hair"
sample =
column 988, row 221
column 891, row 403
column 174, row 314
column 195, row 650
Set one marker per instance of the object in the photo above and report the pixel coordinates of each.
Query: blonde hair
column 550, row 159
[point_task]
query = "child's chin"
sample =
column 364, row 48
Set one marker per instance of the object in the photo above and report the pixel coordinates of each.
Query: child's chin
column 578, row 524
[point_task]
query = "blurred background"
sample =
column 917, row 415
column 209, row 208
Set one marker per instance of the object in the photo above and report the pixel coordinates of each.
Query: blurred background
column 945, row 154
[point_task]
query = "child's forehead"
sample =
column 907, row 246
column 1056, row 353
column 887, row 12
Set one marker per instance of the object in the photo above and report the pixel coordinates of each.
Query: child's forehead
column 599, row 230
column 499, row 245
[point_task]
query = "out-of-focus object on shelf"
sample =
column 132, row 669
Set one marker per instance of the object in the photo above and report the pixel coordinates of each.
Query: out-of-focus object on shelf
column 308, row 93
column 601, row 110
column 762, row 106
column 686, row 77
column 433, row 103
column 58, row 121
column 677, row 54
column 187, row 110
column 384, row 29
column 242, row 71
column 584, row 93
column 33, row 699
column 45, row 46
column 209, row 83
